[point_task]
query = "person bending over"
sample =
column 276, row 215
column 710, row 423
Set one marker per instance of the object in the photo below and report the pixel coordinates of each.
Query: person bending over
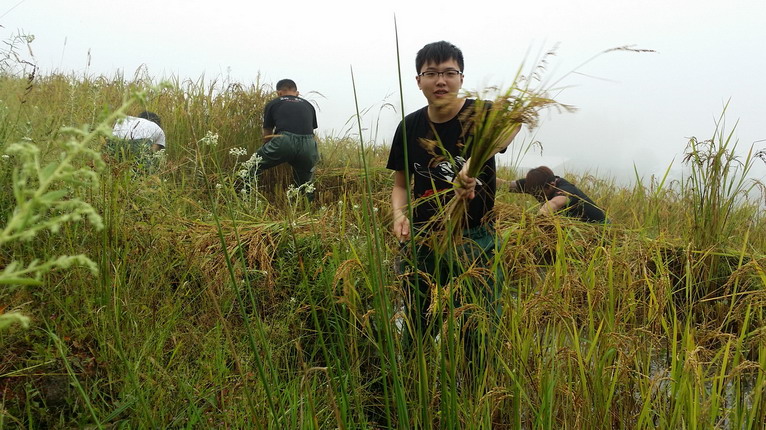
column 288, row 132
column 557, row 195
column 145, row 130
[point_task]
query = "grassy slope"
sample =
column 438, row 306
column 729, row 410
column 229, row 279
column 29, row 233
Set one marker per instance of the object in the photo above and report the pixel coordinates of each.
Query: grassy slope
column 290, row 324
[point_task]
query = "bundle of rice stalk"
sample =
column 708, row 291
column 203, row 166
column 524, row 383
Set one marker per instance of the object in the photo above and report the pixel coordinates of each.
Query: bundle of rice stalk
column 493, row 125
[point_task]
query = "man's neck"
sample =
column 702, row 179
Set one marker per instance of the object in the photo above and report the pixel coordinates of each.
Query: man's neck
column 442, row 113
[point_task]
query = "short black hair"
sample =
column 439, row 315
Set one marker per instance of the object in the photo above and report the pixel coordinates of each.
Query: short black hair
column 151, row 116
column 437, row 53
column 286, row 85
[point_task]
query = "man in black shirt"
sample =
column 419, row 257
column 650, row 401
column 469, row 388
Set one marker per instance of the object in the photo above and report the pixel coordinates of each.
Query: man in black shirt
column 288, row 131
column 429, row 151
column 557, row 195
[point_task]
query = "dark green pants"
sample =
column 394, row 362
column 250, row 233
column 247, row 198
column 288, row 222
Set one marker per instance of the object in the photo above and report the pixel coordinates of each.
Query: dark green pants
column 298, row 150
column 477, row 250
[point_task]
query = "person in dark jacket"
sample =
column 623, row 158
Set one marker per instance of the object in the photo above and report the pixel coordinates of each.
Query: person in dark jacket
column 557, row 195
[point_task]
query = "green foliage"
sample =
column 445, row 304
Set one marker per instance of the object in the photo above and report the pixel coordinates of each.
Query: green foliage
column 45, row 194
column 718, row 182
column 209, row 310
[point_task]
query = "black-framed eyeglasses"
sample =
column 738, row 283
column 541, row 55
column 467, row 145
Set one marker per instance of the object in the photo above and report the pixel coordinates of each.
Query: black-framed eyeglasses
column 448, row 74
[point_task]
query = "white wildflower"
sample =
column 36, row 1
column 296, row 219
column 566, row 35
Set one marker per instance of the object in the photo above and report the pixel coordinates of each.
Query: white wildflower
column 292, row 191
column 238, row 151
column 254, row 161
column 218, row 186
column 210, row 139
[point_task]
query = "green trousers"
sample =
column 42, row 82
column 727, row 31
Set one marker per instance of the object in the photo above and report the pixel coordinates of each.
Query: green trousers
column 298, row 150
column 477, row 250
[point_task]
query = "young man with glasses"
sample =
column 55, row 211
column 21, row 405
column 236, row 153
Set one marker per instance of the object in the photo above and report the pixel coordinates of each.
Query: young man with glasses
column 426, row 147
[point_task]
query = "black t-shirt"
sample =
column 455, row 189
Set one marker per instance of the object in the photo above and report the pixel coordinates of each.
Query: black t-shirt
column 579, row 205
column 432, row 169
column 291, row 114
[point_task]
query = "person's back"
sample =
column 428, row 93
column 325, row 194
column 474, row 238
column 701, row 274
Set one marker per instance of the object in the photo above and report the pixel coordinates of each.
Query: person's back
column 135, row 138
column 580, row 206
column 289, row 122
column 136, row 128
column 291, row 114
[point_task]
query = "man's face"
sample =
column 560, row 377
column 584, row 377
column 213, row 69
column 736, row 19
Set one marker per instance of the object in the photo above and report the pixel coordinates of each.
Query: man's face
column 441, row 88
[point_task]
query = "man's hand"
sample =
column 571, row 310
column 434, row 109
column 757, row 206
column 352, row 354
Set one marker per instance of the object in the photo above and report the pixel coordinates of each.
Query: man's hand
column 401, row 226
column 466, row 185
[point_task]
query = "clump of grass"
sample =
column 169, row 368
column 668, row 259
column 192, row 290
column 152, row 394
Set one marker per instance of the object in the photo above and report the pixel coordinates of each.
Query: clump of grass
column 716, row 189
column 47, row 197
column 717, row 183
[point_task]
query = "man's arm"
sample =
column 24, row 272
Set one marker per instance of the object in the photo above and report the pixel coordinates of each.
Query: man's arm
column 156, row 147
column 267, row 134
column 553, row 205
column 401, row 225
column 512, row 186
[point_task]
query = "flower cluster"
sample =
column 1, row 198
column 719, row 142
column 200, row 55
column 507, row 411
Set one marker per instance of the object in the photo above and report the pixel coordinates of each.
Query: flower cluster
column 293, row 192
column 210, row 139
column 249, row 165
column 238, row 152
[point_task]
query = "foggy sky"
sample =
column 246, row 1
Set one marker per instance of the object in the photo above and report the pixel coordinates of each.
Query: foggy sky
column 632, row 108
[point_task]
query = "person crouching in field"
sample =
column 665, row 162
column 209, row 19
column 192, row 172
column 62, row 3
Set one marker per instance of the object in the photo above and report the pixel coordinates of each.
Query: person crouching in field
column 136, row 139
column 289, row 122
column 557, row 195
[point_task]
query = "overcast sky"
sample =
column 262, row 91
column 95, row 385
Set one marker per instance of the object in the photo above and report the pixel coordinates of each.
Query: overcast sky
column 633, row 108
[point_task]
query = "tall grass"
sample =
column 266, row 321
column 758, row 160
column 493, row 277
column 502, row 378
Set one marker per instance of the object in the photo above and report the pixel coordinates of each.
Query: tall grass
column 209, row 310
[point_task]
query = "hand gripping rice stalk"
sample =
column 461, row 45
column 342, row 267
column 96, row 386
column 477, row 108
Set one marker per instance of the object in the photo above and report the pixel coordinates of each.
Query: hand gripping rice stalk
column 494, row 123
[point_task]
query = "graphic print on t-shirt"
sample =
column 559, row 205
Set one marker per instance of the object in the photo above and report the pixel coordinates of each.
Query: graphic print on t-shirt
column 443, row 170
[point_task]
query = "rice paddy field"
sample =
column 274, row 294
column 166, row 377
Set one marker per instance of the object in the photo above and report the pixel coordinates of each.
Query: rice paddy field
column 168, row 300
